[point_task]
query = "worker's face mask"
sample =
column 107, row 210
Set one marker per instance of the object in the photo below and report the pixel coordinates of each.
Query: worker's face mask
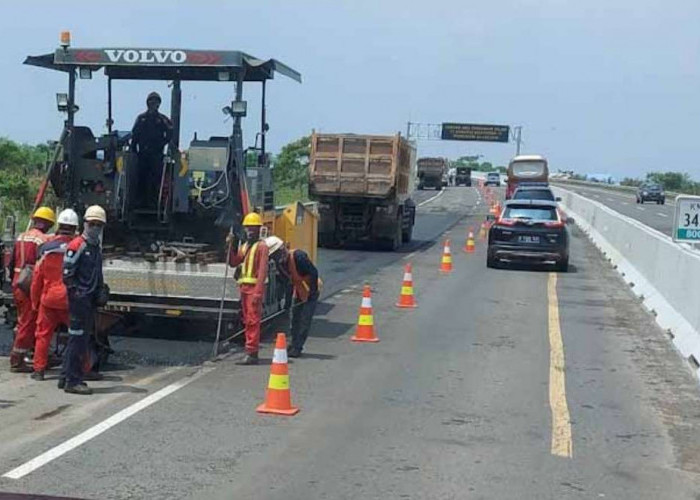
column 93, row 234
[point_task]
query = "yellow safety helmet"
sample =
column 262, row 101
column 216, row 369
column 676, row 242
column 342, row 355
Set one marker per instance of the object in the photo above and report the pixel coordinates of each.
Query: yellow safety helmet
column 252, row 219
column 45, row 213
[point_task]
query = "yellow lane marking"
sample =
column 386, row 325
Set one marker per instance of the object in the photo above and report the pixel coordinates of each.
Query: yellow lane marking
column 562, row 445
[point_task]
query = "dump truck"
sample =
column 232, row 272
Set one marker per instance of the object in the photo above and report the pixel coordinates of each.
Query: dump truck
column 363, row 186
column 166, row 256
column 432, row 173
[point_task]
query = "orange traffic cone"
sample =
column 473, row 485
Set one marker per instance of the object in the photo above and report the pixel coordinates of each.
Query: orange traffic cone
column 469, row 247
column 446, row 263
column 365, row 323
column 406, row 300
column 482, row 231
column 278, row 399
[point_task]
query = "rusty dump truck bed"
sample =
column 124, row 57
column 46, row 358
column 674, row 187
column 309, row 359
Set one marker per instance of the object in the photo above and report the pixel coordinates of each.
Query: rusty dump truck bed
column 349, row 165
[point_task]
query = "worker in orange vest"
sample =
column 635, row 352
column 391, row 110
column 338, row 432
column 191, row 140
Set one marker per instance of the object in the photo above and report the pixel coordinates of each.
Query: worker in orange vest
column 252, row 257
column 297, row 267
column 24, row 257
column 49, row 295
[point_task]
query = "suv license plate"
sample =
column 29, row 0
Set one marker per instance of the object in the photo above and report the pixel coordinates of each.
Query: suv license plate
column 529, row 239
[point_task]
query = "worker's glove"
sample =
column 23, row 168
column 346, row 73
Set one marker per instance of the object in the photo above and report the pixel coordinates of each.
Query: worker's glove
column 102, row 296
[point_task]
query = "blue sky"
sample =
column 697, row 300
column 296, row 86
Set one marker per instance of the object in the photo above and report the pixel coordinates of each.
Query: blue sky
column 599, row 86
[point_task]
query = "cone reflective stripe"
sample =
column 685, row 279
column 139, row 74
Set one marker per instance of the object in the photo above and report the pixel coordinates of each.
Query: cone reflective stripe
column 365, row 323
column 406, row 300
column 446, row 263
column 469, row 247
column 278, row 399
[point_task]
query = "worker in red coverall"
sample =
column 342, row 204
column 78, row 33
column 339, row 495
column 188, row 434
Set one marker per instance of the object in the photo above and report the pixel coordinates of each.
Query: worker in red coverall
column 252, row 257
column 24, row 255
column 49, row 295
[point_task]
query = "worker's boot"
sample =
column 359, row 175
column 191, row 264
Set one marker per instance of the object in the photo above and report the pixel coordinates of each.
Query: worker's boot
column 294, row 352
column 17, row 363
column 61, row 383
column 80, row 389
column 250, row 359
column 38, row 376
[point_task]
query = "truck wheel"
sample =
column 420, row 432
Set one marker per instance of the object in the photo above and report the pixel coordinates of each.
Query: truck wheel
column 491, row 261
column 327, row 240
column 439, row 188
column 563, row 265
column 407, row 234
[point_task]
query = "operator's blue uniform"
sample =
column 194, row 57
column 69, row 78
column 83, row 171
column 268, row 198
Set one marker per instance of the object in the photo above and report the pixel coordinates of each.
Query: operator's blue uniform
column 82, row 275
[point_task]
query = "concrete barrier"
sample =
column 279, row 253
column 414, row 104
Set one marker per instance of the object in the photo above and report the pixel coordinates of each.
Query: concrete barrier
column 664, row 274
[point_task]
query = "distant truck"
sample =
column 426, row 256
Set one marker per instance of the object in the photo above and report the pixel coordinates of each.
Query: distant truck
column 363, row 184
column 432, row 172
column 463, row 176
column 526, row 169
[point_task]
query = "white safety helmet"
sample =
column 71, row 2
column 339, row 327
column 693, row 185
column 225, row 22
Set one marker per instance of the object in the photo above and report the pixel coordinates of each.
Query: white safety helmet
column 274, row 243
column 68, row 217
column 96, row 212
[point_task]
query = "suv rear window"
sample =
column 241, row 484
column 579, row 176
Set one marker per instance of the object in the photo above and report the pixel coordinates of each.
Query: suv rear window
column 533, row 194
column 493, row 176
column 531, row 213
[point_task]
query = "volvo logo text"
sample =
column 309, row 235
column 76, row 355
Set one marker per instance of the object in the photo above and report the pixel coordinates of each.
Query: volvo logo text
column 146, row 56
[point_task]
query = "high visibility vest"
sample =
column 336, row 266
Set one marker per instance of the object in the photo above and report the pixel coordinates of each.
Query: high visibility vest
column 248, row 275
column 302, row 284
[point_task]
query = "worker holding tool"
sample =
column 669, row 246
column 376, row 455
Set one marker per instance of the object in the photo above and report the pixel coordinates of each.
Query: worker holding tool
column 297, row 267
column 48, row 292
column 252, row 257
column 24, row 256
column 152, row 131
column 82, row 275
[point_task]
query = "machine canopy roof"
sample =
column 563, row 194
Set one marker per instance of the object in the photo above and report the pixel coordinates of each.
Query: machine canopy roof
column 166, row 64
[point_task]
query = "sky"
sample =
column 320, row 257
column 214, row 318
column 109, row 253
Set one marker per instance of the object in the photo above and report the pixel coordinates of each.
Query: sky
column 601, row 86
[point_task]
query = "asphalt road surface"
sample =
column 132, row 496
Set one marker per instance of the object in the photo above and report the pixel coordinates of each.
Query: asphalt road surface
column 512, row 383
column 659, row 217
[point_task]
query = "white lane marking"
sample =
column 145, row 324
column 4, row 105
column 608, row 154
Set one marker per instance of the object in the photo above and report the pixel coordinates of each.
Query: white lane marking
column 433, row 198
column 610, row 199
column 625, row 203
column 409, row 256
column 103, row 426
column 640, row 208
column 596, row 195
column 661, row 215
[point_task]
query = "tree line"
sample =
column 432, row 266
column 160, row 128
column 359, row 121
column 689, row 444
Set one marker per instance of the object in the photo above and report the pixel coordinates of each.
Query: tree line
column 22, row 167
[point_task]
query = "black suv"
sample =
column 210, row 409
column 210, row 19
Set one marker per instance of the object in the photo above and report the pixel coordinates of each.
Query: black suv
column 651, row 192
column 534, row 192
column 529, row 231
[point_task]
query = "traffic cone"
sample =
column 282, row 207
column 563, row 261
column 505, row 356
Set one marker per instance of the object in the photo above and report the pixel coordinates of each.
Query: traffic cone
column 406, row 300
column 446, row 263
column 278, row 399
column 482, row 231
column 469, row 247
column 365, row 323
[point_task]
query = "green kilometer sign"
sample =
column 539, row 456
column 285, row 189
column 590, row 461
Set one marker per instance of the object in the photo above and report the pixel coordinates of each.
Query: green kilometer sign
column 686, row 222
column 475, row 132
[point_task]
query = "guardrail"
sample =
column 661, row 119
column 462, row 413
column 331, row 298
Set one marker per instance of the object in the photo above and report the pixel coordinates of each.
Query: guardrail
column 602, row 185
column 661, row 272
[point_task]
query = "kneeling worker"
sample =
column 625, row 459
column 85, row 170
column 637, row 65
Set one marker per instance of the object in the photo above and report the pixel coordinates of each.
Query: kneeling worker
column 251, row 277
column 298, row 268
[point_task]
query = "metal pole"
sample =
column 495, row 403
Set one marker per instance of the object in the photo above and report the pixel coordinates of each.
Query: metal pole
column 215, row 350
column 263, row 125
column 70, row 121
column 110, row 121
column 175, row 112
